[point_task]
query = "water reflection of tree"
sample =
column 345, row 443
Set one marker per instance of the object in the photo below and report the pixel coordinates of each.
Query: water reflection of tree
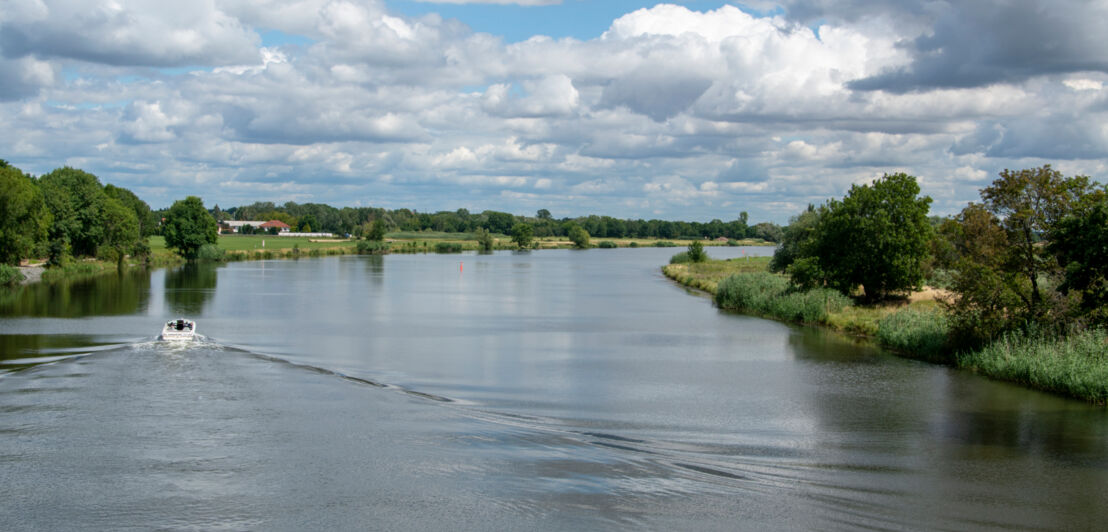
column 113, row 294
column 953, row 431
column 190, row 287
column 375, row 265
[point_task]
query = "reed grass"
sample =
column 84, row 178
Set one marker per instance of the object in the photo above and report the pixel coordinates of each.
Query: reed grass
column 1074, row 365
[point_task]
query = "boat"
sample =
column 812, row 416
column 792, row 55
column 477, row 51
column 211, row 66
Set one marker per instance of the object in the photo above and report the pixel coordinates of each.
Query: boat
column 179, row 329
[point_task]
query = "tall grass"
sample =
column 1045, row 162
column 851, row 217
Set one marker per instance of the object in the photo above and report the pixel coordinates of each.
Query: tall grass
column 1075, row 365
column 771, row 294
column 920, row 333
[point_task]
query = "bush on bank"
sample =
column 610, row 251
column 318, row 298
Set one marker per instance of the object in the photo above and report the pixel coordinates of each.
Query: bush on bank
column 773, row 295
column 10, row 275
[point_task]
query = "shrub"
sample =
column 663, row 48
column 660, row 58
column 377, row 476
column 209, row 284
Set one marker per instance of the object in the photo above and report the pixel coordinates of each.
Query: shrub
column 664, row 244
column 210, row 252
column 448, row 247
column 732, row 242
column 771, row 294
column 633, row 245
column 680, row 258
column 696, row 252
column 916, row 332
column 372, row 247
column 10, row 275
column 607, row 244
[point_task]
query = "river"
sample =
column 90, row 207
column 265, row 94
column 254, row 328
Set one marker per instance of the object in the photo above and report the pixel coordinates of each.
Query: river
column 549, row 390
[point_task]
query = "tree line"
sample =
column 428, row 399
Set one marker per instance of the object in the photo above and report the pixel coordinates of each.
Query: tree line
column 357, row 221
column 1031, row 256
column 68, row 213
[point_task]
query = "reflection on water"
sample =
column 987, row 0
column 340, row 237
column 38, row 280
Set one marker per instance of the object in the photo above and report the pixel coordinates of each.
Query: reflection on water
column 111, row 294
column 549, row 390
column 188, row 288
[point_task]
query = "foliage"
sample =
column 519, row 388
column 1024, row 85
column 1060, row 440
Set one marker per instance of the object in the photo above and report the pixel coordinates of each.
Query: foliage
column 211, row 253
column 772, row 294
column 10, row 275
column 484, row 240
column 1028, row 204
column 448, row 247
column 664, row 244
column 144, row 217
column 680, row 258
column 121, row 231
column 1080, row 243
column 24, row 219
column 372, row 247
column 579, row 236
column 797, row 241
column 607, row 244
column 696, row 252
column 919, row 333
column 188, row 225
column 376, row 231
column 76, row 200
column 522, row 234
column 876, row 237
column 1075, row 365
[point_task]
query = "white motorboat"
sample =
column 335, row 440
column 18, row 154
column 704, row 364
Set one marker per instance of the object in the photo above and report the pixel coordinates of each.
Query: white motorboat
column 179, row 329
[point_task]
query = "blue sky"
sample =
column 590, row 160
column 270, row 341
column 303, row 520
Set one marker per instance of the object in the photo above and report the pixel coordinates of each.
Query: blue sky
column 579, row 19
column 686, row 110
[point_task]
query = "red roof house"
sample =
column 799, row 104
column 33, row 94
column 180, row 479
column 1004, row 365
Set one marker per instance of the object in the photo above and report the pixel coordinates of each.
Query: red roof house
column 281, row 226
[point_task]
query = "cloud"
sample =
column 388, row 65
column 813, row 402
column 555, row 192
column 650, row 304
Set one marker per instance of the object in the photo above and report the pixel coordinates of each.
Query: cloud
column 126, row 32
column 671, row 112
column 973, row 44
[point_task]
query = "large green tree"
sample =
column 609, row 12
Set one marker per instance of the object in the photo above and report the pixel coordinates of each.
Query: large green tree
column 76, row 199
column 188, row 225
column 144, row 217
column 579, row 236
column 876, row 237
column 1028, row 203
column 24, row 219
column 121, row 231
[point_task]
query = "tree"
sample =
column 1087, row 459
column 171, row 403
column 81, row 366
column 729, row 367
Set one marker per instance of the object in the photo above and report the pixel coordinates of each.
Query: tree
column 1080, row 243
column 522, row 234
column 24, row 219
column 876, row 237
column 985, row 292
column 143, row 215
column 376, row 231
column 797, row 244
column 76, row 200
column 543, row 214
column 121, row 231
column 188, row 225
column 696, row 252
column 1028, row 204
column 306, row 223
column 579, row 236
column 484, row 239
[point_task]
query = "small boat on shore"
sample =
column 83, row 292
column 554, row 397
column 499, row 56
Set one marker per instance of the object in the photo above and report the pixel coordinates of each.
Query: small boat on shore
column 179, row 330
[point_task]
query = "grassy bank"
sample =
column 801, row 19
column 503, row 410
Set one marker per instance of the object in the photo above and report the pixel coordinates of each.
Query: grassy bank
column 917, row 327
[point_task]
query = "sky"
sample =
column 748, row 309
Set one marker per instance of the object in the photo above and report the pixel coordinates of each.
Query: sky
column 682, row 111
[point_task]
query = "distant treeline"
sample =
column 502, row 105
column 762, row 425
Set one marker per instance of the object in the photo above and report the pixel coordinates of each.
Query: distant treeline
column 357, row 220
column 69, row 213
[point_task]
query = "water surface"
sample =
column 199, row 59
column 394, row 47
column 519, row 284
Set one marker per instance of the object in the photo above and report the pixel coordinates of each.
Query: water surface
column 545, row 390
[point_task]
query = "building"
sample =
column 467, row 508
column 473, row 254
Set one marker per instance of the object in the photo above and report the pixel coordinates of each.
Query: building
column 282, row 227
column 236, row 225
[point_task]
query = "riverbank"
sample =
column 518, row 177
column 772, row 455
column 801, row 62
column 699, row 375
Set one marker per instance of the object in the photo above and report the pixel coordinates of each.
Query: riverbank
column 914, row 327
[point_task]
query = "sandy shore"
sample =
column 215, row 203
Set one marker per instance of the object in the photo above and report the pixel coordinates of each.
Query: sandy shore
column 31, row 274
